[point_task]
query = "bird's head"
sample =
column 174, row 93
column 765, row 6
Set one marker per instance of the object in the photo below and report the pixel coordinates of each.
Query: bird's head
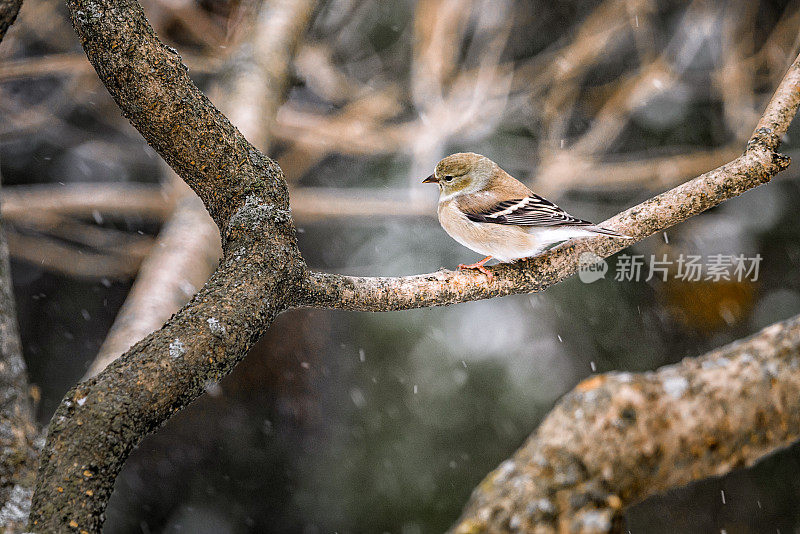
column 461, row 173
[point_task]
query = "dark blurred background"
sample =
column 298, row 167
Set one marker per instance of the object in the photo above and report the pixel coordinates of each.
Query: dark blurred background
column 358, row 422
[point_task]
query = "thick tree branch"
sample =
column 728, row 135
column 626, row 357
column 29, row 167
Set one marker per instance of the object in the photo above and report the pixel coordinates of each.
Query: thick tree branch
column 185, row 254
column 620, row 437
column 102, row 419
column 152, row 88
column 17, row 429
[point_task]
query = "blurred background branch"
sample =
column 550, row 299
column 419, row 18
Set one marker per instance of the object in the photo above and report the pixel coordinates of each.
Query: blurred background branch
column 18, row 428
column 464, row 96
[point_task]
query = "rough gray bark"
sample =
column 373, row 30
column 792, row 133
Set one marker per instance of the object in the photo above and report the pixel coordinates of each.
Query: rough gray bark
column 100, row 420
column 620, row 437
column 262, row 273
column 17, row 429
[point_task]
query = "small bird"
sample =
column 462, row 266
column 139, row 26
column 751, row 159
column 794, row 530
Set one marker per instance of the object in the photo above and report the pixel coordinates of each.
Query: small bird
column 487, row 210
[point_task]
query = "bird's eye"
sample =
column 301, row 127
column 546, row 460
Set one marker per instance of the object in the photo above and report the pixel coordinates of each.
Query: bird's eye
column 448, row 178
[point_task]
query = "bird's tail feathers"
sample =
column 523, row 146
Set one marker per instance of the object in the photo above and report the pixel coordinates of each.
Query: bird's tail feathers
column 605, row 231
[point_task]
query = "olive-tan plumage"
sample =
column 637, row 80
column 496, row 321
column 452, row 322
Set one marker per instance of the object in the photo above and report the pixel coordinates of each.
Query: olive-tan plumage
column 489, row 211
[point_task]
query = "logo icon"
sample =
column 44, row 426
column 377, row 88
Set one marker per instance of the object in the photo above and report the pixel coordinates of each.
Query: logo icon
column 591, row 267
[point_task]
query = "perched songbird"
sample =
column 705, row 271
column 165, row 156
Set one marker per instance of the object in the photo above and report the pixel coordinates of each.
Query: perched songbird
column 487, row 210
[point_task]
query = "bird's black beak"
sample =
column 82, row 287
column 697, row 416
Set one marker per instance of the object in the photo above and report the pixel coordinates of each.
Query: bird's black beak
column 430, row 180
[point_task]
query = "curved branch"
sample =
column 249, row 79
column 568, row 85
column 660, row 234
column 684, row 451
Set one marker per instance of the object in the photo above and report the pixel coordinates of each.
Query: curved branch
column 620, row 437
column 152, row 88
column 756, row 166
column 18, row 430
column 187, row 250
column 101, row 419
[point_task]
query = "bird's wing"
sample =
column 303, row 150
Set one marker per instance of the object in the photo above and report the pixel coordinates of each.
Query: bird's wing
column 531, row 210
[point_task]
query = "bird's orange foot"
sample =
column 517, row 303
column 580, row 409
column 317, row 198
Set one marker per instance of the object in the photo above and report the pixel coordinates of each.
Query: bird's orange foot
column 479, row 266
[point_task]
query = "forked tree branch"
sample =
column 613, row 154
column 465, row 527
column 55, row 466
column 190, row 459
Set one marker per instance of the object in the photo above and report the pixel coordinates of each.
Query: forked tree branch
column 187, row 249
column 100, row 420
column 262, row 273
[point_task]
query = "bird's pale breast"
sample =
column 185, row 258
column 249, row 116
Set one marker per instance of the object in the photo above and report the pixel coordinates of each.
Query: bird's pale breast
column 504, row 242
